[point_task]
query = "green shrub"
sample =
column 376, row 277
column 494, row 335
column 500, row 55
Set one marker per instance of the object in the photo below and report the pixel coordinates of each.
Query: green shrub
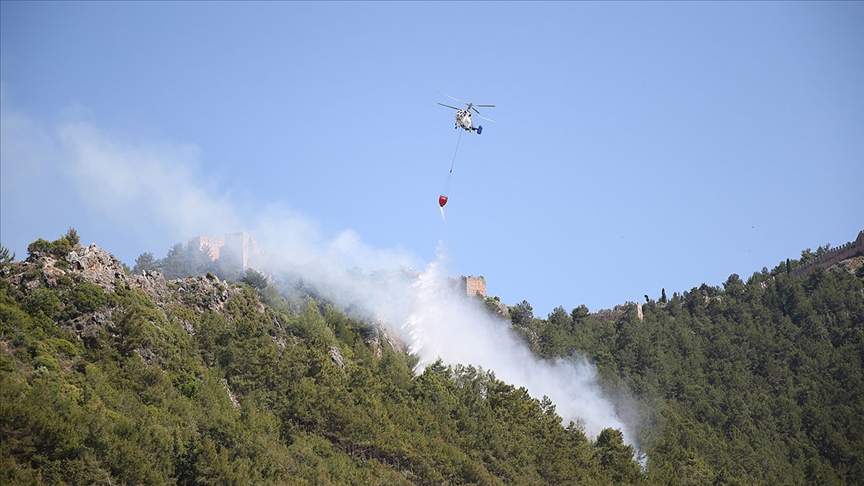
column 46, row 361
column 39, row 247
column 44, row 300
column 87, row 297
column 6, row 364
column 58, row 248
column 64, row 346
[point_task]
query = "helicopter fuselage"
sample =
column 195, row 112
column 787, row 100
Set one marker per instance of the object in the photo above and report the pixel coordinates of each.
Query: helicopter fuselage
column 463, row 119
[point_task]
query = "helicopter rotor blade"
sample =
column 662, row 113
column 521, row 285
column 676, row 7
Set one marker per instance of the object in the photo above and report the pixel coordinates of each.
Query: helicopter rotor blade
column 487, row 119
column 448, row 106
column 474, row 107
column 453, row 98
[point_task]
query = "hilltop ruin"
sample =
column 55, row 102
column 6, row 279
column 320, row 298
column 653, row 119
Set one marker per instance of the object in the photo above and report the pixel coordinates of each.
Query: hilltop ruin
column 832, row 257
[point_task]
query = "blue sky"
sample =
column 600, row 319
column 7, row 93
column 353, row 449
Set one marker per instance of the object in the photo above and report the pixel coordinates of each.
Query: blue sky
column 638, row 146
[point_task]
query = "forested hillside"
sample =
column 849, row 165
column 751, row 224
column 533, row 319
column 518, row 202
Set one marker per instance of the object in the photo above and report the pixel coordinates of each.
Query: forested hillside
column 756, row 382
column 112, row 376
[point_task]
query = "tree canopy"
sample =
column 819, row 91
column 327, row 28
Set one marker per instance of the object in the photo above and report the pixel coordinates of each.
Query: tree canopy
column 210, row 385
column 751, row 382
column 755, row 382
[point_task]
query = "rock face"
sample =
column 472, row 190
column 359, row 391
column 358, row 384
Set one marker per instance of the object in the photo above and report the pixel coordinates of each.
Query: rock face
column 336, row 356
column 103, row 269
column 204, row 293
column 97, row 266
column 152, row 283
column 88, row 263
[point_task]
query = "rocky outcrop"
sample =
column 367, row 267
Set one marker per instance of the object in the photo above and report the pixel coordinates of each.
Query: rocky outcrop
column 90, row 263
column 105, row 270
column 152, row 283
column 206, row 293
column 96, row 265
column 336, row 356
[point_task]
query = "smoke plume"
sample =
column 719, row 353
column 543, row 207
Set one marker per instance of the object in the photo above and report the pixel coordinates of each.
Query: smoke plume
column 444, row 324
column 161, row 187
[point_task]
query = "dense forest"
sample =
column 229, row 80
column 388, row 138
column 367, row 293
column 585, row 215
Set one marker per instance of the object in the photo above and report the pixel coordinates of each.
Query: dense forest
column 112, row 375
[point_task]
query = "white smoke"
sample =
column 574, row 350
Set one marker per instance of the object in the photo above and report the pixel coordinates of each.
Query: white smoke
column 160, row 186
column 444, row 324
column 435, row 320
column 120, row 179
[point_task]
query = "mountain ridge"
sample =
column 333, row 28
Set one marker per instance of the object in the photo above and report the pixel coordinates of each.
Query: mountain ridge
column 134, row 379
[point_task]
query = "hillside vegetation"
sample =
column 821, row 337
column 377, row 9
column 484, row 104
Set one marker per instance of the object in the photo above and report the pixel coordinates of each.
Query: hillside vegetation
column 110, row 377
column 756, row 382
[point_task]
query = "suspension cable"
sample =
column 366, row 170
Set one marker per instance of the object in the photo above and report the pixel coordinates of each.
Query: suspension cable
column 446, row 188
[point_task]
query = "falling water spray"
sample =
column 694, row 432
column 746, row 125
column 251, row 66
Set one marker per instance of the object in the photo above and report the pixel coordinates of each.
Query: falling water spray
column 442, row 323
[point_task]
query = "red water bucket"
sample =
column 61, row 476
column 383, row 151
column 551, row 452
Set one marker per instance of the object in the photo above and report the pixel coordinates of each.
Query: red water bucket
column 442, row 200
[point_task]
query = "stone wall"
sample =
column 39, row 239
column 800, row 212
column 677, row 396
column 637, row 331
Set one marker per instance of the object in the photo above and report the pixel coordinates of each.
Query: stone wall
column 834, row 256
column 473, row 286
column 244, row 246
column 212, row 247
column 240, row 244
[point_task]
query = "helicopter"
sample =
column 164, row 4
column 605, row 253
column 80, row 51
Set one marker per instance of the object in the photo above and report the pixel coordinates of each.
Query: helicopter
column 463, row 117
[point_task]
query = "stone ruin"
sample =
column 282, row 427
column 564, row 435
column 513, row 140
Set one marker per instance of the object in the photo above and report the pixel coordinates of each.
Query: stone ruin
column 472, row 286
